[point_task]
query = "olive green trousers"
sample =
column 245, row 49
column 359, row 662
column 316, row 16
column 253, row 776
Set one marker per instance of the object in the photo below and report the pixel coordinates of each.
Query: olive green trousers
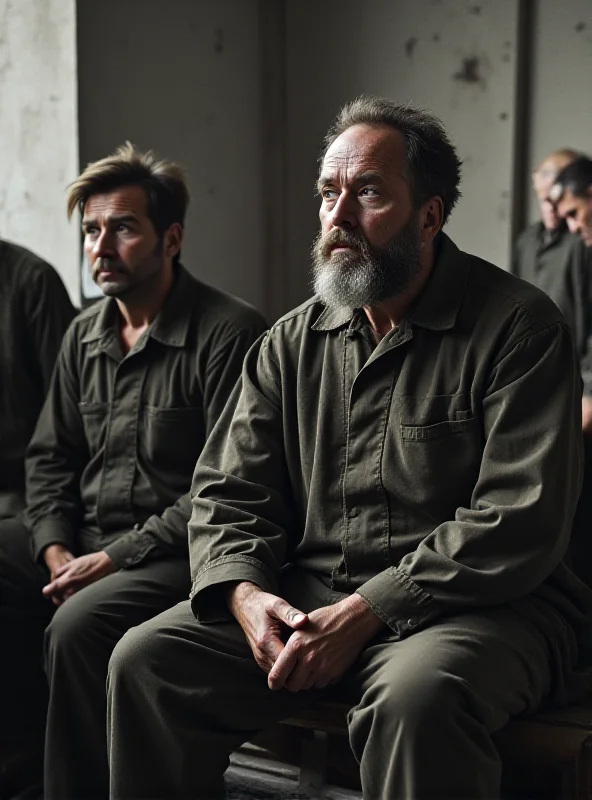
column 183, row 695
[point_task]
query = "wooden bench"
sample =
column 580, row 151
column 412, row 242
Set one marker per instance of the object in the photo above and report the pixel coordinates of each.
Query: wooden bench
column 547, row 756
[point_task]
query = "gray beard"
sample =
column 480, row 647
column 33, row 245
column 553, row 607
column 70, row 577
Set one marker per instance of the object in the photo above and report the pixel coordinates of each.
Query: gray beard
column 366, row 275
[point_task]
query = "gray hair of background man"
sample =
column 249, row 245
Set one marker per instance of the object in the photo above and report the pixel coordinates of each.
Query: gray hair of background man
column 163, row 182
column 547, row 168
column 432, row 166
column 575, row 178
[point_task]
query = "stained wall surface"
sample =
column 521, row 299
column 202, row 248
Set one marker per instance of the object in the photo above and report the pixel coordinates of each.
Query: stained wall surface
column 182, row 78
column 241, row 92
column 457, row 58
column 561, row 91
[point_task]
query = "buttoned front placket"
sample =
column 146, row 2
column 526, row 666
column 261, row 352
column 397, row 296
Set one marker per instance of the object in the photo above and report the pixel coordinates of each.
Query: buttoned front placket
column 368, row 384
column 114, row 506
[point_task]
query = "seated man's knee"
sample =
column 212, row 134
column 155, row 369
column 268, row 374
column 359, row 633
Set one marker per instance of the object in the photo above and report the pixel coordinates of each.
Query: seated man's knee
column 71, row 625
column 415, row 702
column 133, row 652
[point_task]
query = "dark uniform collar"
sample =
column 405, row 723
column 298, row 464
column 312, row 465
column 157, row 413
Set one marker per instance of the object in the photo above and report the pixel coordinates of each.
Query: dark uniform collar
column 171, row 324
column 437, row 306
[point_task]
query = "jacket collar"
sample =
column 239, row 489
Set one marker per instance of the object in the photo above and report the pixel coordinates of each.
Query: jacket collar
column 171, row 325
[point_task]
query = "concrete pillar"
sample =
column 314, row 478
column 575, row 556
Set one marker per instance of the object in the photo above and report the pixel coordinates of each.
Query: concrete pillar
column 39, row 130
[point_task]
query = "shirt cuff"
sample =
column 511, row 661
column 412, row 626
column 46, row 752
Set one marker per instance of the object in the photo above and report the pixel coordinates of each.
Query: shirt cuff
column 399, row 602
column 51, row 530
column 208, row 595
column 130, row 549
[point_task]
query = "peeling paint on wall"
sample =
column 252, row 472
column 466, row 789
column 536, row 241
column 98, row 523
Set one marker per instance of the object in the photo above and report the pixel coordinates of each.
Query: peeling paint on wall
column 469, row 71
column 410, row 46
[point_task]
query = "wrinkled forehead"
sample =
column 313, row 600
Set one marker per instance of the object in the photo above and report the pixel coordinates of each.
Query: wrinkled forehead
column 365, row 149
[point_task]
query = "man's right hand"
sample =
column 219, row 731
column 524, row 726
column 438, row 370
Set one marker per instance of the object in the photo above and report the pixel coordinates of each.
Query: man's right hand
column 264, row 618
column 55, row 556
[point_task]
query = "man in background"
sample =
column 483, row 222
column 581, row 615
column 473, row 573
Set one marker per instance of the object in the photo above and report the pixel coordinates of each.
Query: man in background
column 35, row 311
column 140, row 382
column 547, row 255
column 571, row 195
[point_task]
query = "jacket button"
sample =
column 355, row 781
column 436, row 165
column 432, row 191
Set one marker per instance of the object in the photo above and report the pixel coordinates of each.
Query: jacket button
column 412, row 622
column 354, row 512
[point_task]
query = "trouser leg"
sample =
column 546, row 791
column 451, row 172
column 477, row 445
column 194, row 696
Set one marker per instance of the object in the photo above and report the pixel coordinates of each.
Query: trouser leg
column 429, row 704
column 24, row 614
column 79, row 643
column 181, row 697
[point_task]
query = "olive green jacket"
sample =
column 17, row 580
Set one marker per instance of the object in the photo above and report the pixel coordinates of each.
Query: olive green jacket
column 437, row 471
column 561, row 265
column 35, row 311
column 115, row 447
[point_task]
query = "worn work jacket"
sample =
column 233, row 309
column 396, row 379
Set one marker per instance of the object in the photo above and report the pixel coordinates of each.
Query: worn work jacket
column 117, row 440
column 434, row 472
column 35, row 311
column 561, row 266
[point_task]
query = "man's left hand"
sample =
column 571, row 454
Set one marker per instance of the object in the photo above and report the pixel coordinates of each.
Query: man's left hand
column 76, row 574
column 320, row 652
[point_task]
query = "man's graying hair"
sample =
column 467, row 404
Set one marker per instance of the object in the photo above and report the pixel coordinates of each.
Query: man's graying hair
column 432, row 166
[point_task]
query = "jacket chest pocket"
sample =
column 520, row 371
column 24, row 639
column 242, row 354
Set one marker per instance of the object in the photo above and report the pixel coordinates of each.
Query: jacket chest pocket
column 435, row 466
column 171, row 439
column 94, row 420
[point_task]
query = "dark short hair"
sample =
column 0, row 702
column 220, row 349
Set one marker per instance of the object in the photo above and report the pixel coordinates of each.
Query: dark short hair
column 163, row 182
column 575, row 178
column 432, row 166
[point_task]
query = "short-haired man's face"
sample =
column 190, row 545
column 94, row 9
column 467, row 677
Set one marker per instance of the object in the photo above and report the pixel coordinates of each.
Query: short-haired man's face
column 577, row 212
column 368, row 246
column 120, row 242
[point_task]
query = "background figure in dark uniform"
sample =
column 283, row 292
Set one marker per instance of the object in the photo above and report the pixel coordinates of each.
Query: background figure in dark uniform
column 35, row 311
column 550, row 257
column 140, row 381
column 572, row 198
column 377, row 511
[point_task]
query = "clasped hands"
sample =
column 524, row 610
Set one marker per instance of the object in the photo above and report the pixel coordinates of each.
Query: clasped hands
column 302, row 651
column 69, row 574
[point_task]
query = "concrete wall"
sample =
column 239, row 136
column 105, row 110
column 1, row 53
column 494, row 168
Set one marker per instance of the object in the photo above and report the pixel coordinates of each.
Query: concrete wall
column 241, row 92
column 561, row 90
column 38, row 129
column 182, row 78
column 457, row 57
